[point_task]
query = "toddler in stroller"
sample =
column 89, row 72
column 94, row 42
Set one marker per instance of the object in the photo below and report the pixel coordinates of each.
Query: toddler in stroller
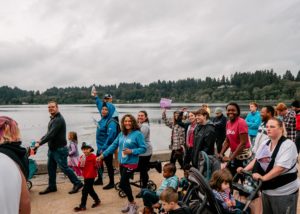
column 200, row 197
column 32, row 165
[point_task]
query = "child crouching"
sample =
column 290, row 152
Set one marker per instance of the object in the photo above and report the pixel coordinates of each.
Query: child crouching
column 87, row 163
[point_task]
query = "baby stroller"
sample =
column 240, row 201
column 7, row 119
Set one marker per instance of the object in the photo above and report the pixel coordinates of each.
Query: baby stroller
column 246, row 186
column 150, row 185
column 32, row 166
column 207, row 164
column 200, row 197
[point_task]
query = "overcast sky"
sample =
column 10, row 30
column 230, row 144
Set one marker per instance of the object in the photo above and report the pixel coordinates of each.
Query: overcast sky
column 46, row 43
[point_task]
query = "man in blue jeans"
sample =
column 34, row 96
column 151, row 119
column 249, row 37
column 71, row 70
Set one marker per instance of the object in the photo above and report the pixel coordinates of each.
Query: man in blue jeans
column 58, row 152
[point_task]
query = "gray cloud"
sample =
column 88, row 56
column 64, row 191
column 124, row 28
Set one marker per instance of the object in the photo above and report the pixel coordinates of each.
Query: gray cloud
column 69, row 43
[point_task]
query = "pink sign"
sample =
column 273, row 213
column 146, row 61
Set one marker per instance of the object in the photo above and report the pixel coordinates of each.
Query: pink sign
column 165, row 103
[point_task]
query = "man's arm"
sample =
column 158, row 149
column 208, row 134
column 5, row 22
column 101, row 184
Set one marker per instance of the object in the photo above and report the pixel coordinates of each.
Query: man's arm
column 56, row 125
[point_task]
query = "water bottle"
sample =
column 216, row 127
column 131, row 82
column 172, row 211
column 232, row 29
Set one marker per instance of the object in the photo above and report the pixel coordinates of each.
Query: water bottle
column 32, row 148
column 93, row 91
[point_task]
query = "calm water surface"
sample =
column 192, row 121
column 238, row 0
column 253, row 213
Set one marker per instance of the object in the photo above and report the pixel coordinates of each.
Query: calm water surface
column 33, row 121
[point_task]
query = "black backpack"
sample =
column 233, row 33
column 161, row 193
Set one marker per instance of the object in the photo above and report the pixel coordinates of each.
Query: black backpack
column 17, row 154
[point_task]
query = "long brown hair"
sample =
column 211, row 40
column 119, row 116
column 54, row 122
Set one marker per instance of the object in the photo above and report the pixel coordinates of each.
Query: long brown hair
column 218, row 177
column 73, row 137
column 134, row 124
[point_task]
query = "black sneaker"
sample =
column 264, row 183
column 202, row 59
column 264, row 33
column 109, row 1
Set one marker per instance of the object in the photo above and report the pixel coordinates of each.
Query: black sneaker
column 78, row 209
column 98, row 182
column 47, row 190
column 139, row 195
column 96, row 204
column 109, row 186
column 76, row 188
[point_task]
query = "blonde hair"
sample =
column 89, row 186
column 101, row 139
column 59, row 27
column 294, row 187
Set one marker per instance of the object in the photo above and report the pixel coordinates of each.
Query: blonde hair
column 9, row 130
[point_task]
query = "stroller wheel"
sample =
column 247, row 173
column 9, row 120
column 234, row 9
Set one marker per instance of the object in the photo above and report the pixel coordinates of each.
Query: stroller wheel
column 29, row 185
column 151, row 185
column 122, row 193
column 117, row 187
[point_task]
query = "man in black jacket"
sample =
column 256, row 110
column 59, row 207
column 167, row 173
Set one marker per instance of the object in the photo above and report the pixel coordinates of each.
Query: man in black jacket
column 58, row 152
column 220, row 124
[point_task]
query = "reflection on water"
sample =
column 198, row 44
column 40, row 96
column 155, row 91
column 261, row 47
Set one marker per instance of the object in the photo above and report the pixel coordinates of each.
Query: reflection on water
column 33, row 121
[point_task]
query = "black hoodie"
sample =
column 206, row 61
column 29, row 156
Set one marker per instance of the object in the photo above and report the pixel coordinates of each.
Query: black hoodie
column 16, row 152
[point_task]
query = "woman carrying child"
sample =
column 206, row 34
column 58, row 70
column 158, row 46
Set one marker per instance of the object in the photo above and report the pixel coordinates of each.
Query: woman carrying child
column 275, row 164
column 73, row 153
column 89, row 167
column 131, row 144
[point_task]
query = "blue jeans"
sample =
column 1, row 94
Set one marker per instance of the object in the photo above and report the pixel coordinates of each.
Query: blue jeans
column 149, row 197
column 59, row 157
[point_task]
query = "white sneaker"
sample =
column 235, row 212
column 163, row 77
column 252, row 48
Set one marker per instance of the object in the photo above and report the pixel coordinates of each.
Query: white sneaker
column 126, row 208
column 133, row 208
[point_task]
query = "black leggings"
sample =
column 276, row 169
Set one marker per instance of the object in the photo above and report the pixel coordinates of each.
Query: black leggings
column 177, row 155
column 88, row 189
column 126, row 174
column 143, row 168
column 110, row 169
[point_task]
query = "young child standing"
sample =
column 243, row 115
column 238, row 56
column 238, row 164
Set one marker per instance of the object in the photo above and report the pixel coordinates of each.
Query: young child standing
column 220, row 184
column 73, row 153
column 87, row 163
column 151, row 198
column 169, row 200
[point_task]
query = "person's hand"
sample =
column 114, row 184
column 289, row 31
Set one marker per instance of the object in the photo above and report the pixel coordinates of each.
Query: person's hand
column 220, row 156
column 239, row 170
column 229, row 203
column 127, row 151
column 226, row 159
column 94, row 93
column 100, row 158
column 257, row 176
column 37, row 144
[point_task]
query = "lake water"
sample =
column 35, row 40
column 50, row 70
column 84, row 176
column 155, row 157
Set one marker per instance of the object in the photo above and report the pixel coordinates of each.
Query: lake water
column 33, row 121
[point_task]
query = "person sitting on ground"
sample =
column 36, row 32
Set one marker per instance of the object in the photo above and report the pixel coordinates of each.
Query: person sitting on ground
column 88, row 165
column 183, row 182
column 151, row 198
column 14, row 194
column 169, row 201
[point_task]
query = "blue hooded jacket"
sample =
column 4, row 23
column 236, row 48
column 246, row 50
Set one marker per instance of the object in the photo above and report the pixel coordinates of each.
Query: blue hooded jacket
column 134, row 141
column 106, row 132
column 253, row 121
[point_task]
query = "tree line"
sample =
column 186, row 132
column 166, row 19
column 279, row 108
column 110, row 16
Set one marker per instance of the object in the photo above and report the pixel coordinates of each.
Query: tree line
column 261, row 85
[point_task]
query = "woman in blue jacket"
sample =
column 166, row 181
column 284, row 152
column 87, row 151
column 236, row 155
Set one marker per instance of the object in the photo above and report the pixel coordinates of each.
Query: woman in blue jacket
column 105, row 134
column 131, row 144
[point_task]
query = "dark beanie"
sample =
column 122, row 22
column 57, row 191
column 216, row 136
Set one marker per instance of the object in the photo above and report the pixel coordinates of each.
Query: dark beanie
column 296, row 104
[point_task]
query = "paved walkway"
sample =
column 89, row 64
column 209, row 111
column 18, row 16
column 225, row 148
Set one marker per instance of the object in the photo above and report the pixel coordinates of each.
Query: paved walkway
column 61, row 202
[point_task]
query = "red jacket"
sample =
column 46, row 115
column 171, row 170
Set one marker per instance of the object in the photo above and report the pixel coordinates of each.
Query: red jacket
column 90, row 167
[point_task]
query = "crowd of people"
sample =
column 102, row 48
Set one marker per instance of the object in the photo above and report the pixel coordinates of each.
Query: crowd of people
column 266, row 142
